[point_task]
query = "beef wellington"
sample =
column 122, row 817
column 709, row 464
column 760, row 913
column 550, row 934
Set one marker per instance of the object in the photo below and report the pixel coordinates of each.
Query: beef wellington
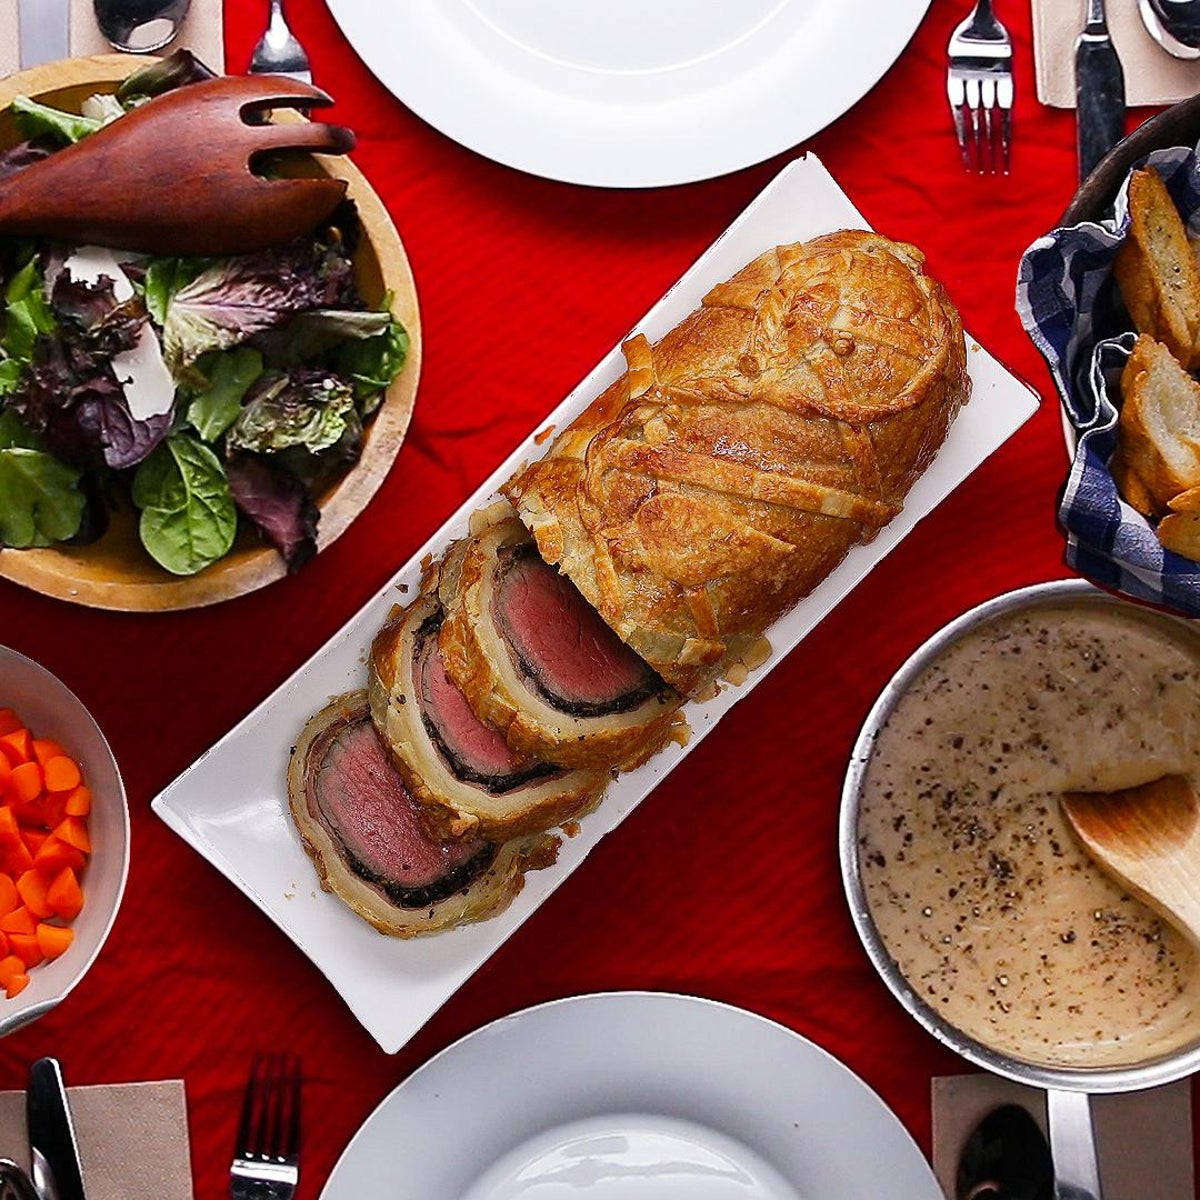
column 368, row 838
column 461, row 768
column 533, row 658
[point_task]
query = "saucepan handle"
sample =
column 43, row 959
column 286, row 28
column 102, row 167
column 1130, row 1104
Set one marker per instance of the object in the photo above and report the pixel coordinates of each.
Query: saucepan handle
column 1073, row 1146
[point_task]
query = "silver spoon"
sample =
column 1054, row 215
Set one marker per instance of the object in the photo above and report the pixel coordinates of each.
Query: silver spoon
column 140, row 26
column 1174, row 25
column 278, row 51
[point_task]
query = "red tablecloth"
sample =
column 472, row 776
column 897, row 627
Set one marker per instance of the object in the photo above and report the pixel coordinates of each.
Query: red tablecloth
column 725, row 882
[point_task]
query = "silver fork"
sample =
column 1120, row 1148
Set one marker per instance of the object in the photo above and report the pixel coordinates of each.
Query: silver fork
column 266, row 1156
column 278, row 52
column 979, row 84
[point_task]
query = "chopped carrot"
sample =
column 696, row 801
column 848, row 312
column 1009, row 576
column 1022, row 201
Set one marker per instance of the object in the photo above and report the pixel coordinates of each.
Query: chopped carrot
column 9, row 721
column 18, row 745
column 5, row 771
column 10, row 832
column 25, row 947
column 16, row 985
column 10, row 965
column 17, row 859
column 79, row 802
column 9, row 897
column 18, row 921
column 54, row 854
column 25, row 782
column 32, row 888
column 74, row 832
column 34, row 839
column 64, row 895
column 53, row 940
column 4, row 948
column 62, row 774
column 44, row 749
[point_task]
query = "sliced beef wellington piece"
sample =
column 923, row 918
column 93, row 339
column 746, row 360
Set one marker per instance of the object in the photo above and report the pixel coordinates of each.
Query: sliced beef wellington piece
column 462, row 768
column 368, row 838
column 535, row 659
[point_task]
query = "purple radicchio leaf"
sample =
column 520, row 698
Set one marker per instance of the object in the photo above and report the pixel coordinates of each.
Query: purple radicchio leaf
column 278, row 504
column 106, row 421
column 70, row 393
column 235, row 299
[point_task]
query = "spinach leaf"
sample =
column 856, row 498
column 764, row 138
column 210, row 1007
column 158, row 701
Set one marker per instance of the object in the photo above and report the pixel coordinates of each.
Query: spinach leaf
column 372, row 363
column 229, row 378
column 34, row 120
column 40, row 500
column 188, row 517
column 27, row 312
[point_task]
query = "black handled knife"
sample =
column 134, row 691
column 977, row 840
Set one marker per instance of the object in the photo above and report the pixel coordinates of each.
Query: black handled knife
column 54, row 1153
column 1099, row 90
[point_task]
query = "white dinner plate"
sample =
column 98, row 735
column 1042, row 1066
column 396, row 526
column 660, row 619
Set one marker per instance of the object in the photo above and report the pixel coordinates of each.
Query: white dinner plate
column 629, row 93
column 232, row 804
column 633, row 1096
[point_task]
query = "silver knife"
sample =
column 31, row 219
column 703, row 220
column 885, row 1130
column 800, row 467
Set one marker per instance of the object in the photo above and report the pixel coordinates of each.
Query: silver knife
column 1099, row 90
column 45, row 30
column 54, row 1153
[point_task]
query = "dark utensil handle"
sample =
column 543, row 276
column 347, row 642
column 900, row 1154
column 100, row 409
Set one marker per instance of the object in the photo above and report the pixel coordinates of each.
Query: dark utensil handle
column 1099, row 99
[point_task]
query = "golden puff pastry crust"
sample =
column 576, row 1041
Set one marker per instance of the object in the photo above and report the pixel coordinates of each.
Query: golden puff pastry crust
column 737, row 461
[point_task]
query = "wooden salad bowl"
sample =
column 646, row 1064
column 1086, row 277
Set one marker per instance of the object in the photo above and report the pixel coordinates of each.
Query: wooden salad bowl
column 115, row 572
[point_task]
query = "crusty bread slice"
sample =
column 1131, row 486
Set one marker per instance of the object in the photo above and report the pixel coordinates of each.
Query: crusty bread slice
column 1157, row 271
column 1132, row 486
column 1179, row 530
column 1160, row 423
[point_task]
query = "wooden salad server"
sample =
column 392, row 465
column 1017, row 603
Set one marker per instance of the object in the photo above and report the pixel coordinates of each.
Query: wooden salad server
column 176, row 175
column 1147, row 838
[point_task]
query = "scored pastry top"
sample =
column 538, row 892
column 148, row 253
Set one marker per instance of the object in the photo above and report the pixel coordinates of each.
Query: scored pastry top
column 736, row 461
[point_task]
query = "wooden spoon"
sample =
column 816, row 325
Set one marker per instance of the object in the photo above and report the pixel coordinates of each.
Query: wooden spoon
column 1147, row 838
column 175, row 176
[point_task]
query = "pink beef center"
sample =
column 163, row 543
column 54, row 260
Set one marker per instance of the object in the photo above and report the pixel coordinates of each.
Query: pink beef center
column 362, row 796
column 473, row 743
column 562, row 638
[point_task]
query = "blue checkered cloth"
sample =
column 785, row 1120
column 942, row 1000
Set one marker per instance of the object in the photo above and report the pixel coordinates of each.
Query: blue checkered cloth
column 1071, row 307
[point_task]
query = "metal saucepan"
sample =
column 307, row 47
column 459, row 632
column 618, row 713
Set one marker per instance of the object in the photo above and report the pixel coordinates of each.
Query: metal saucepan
column 1068, row 1089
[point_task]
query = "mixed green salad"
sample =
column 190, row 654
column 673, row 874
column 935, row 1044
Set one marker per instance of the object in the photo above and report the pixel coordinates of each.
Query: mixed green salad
column 207, row 392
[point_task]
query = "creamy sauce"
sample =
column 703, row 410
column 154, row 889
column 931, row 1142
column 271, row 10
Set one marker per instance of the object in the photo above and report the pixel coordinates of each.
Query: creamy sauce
column 992, row 911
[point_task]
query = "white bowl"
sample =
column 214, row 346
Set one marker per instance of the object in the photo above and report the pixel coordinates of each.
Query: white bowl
column 52, row 710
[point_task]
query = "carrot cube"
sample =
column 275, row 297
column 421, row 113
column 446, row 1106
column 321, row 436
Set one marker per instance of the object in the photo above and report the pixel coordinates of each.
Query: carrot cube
column 17, row 859
column 53, row 940
column 9, row 721
column 44, row 749
column 10, row 965
column 10, row 831
column 54, row 854
column 25, row 947
column 79, row 802
column 25, row 782
column 73, row 831
column 64, row 895
column 32, row 888
column 18, row 746
column 9, row 897
column 62, row 774
column 18, row 921
column 16, row 985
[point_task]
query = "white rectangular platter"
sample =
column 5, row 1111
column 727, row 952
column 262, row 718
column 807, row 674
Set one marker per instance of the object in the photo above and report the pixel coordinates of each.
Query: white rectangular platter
column 231, row 805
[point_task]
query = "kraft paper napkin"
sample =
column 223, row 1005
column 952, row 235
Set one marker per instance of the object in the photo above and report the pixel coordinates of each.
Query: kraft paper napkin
column 202, row 32
column 1144, row 1138
column 133, row 1139
column 1152, row 76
